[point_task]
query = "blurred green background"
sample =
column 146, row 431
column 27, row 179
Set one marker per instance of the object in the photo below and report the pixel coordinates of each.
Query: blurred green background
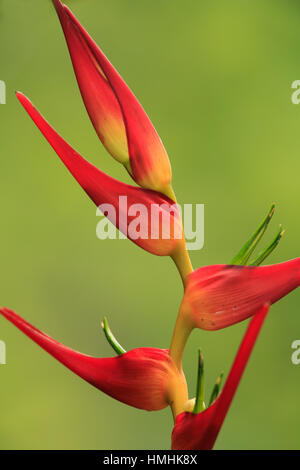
column 215, row 77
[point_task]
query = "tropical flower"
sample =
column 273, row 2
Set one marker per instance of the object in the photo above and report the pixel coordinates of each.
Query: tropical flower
column 144, row 378
column 118, row 118
column 215, row 296
column 221, row 295
column 198, row 430
column 162, row 235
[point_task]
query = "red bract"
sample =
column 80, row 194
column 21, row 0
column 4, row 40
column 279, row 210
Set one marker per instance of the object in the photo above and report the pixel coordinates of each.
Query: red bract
column 221, row 295
column 145, row 378
column 200, row 431
column 163, row 234
column 120, row 121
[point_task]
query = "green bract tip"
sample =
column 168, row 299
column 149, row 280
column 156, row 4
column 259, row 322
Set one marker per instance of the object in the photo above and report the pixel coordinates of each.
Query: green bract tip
column 268, row 250
column 111, row 338
column 246, row 251
column 216, row 389
column 199, row 403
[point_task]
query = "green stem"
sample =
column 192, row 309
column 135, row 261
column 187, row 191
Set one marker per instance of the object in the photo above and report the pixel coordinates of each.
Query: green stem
column 181, row 256
column 183, row 263
column 180, row 396
column 181, row 333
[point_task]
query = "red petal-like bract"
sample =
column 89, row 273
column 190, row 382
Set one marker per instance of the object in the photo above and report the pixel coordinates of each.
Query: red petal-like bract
column 141, row 377
column 200, row 431
column 221, row 295
column 119, row 119
column 160, row 235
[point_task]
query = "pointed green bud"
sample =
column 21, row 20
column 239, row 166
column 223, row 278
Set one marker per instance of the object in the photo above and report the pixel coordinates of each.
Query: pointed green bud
column 244, row 254
column 111, row 338
column 216, row 389
column 199, row 403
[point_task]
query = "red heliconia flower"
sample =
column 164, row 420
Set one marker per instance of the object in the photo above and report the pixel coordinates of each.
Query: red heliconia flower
column 161, row 235
column 144, row 378
column 222, row 295
column 119, row 119
column 199, row 431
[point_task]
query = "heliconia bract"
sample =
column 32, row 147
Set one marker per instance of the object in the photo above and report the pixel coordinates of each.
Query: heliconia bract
column 199, row 431
column 161, row 231
column 119, row 119
column 144, row 378
column 222, row 295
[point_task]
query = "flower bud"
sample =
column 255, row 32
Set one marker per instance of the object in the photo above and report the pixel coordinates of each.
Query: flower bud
column 118, row 118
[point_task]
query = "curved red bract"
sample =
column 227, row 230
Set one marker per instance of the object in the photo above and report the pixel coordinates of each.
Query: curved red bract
column 119, row 119
column 200, row 431
column 103, row 189
column 140, row 378
column 221, row 295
